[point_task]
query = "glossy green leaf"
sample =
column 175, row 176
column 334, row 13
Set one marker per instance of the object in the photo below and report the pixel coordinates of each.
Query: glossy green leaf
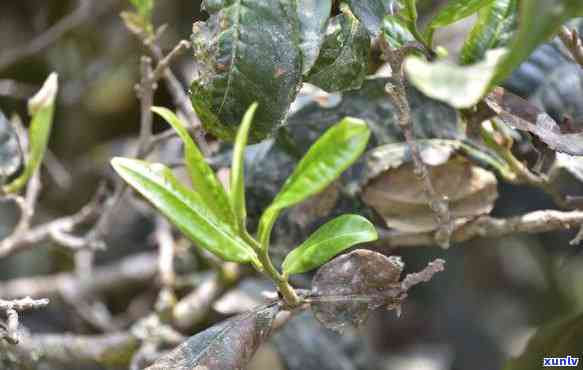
column 396, row 32
column 184, row 208
column 459, row 86
column 329, row 240
column 248, row 51
column 313, row 16
column 493, row 29
column 558, row 339
column 326, row 159
column 41, row 107
column 237, row 193
column 538, row 20
column 371, row 13
column 343, row 61
column 203, row 178
column 456, row 10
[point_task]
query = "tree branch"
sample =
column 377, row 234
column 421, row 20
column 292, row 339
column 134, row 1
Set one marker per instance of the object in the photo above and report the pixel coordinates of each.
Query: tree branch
column 490, row 227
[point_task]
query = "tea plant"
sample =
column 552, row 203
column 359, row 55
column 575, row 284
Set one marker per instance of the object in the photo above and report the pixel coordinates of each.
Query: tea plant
column 421, row 150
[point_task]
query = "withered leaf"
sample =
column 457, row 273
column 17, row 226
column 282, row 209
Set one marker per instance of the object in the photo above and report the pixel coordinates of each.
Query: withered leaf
column 345, row 289
column 394, row 190
column 522, row 115
column 226, row 346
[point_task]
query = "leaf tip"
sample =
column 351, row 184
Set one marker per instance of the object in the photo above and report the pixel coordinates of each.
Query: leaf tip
column 45, row 97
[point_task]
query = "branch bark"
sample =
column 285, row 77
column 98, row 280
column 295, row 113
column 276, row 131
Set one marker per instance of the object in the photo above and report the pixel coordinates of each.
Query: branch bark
column 490, row 227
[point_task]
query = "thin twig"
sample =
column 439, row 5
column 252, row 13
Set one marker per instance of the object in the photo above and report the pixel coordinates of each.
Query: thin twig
column 166, row 249
column 128, row 272
column 397, row 91
column 490, row 227
column 12, row 308
column 54, row 230
column 179, row 97
column 145, row 91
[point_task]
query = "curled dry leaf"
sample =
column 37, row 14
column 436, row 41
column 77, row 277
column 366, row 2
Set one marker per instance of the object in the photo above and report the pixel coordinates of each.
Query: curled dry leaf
column 226, row 346
column 566, row 175
column 347, row 288
column 523, row 115
column 393, row 189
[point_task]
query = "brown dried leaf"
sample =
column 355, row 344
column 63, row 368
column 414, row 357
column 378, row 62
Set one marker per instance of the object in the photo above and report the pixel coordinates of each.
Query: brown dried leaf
column 345, row 289
column 524, row 116
column 226, row 346
column 397, row 194
column 351, row 285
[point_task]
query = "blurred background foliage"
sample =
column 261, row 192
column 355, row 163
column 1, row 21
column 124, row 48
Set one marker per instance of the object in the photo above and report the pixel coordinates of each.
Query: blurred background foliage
column 480, row 312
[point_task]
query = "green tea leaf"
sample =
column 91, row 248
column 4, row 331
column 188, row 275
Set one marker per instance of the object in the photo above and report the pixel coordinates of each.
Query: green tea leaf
column 328, row 157
column 371, row 13
column 144, row 7
column 343, row 61
column 459, row 86
column 410, row 10
column 456, row 10
column 313, row 16
column 558, row 339
column 329, row 240
column 184, row 208
column 41, row 107
column 248, row 51
column 396, row 32
column 539, row 20
column 203, row 178
column 493, row 29
column 237, row 194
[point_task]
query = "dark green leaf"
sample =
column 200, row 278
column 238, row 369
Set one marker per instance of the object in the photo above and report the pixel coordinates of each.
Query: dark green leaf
column 534, row 29
column 248, row 51
column 371, row 13
column 237, row 191
column 333, row 153
column 184, row 208
column 343, row 61
column 228, row 345
column 202, row 176
column 459, row 86
column 456, row 10
column 11, row 158
column 493, row 29
column 396, row 32
column 313, row 16
column 559, row 339
column 41, row 107
column 329, row 240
